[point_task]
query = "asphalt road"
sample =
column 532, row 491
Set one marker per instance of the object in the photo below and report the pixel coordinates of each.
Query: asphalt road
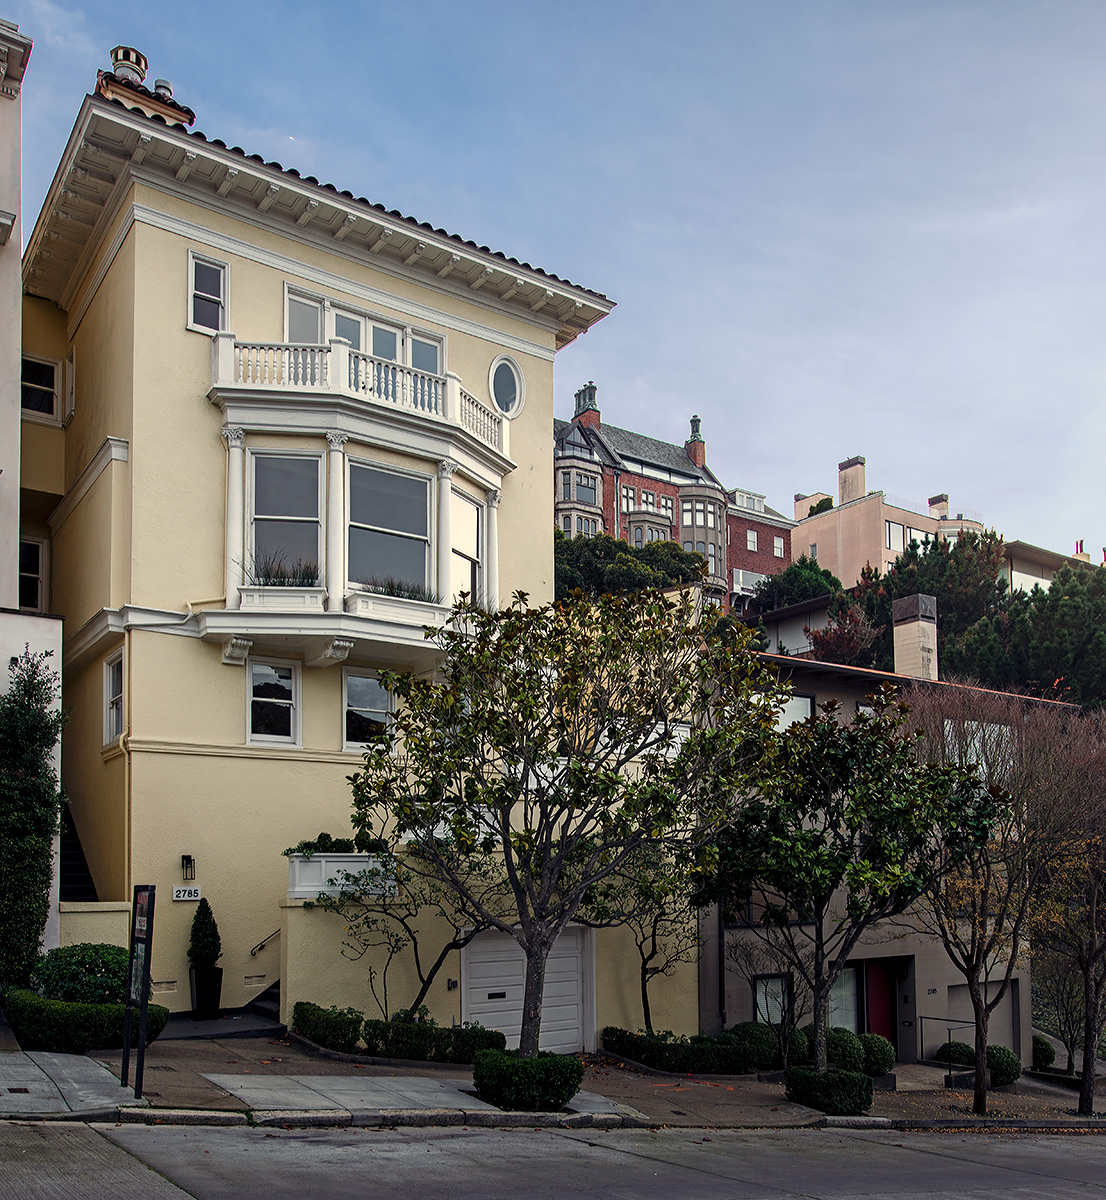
column 42, row 1162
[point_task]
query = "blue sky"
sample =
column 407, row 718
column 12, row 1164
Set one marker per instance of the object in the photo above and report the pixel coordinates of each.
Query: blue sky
column 832, row 227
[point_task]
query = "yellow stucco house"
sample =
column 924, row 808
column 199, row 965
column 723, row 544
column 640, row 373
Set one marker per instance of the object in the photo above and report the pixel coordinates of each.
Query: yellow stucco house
column 271, row 430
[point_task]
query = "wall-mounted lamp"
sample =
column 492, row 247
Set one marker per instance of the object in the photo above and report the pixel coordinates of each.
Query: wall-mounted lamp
column 188, row 866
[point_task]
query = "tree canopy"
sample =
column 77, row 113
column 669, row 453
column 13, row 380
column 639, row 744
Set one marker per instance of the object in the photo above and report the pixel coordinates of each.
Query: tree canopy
column 603, row 565
column 557, row 744
column 803, row 580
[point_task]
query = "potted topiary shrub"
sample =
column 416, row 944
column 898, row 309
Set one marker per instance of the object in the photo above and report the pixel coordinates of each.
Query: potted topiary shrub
column 205, row 948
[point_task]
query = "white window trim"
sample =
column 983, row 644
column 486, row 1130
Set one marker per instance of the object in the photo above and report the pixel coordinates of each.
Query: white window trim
column 406, row 331
column 253, row 453
column 362, row 673
column 431, row 519
column 70, row 386
column 111, row 736
column 54, row 419
column 268, row 739
column 43, row 572
column 207, row 260
column 752, row 542
column 481, row 542
column 777, row 547
column 520, row 380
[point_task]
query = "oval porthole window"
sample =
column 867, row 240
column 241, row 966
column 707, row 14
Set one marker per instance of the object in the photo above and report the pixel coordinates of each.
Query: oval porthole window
column 507, row 386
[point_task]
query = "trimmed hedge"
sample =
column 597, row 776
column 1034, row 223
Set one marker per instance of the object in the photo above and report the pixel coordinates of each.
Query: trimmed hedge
column 879, row 1054
column 1044, row 1053
column 334, row 1028
column 66, row 1028
column 960, row 1054
column 543, row 1084
column 762, row 1043
column 844, row 1049
column 1004, row 1065
column 87, row 973
column 429, row 1043
column 836, row 1093
column 725, row 1055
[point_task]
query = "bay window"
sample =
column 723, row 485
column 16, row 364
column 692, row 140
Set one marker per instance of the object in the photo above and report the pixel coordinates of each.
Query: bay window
column 285, row 520
column 465, row 559
column 389, row 527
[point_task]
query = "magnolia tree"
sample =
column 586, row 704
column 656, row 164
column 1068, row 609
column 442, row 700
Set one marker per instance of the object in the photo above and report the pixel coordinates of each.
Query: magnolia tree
column 557, row 743
column 1017, row 884
column 849, row 830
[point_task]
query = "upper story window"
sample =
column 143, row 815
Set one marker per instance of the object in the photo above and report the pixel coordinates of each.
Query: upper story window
column 566, row 485
column 796, row 708
column 32, row 574
column 39, row 388
column 649, row 501
column 285, row 520
column 207, row 294
column 777, row 547
column 113, row 697
column 389, row 527
column 585, row 489
column 639, row 537
column 586, row 527
column 814, row 550
column 466, row 534
column 666, row 506
column 700, row 513
column 274, row 701
column 368, row 709
column 750, row 539
column 627, row 499
column 507, row 385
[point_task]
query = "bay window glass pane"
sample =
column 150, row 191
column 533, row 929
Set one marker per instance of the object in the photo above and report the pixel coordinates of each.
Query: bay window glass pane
column 285, row 542
column 286, row 487
column 374, row 555
column 368, row 707
column 385, row 344
column 844, row 1009
column 304, row 322
column 387, row 501
column 209, row 279
column 349, row 328
column 271, row 700
column 424, row 356
column 465, row 526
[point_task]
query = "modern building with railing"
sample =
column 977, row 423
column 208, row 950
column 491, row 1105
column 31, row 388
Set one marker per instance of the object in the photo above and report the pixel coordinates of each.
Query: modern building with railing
column 269, row 431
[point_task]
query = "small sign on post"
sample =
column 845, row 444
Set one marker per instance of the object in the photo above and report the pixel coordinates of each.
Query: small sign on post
column 138, row 987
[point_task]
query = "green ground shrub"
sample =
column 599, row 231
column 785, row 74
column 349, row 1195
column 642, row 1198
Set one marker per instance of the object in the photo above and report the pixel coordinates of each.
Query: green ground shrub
column 958, row 1053
column 844, row 1050
column 762, row 1042
column 543, row 1084
column 879, row 1054
column 681, row 1055
column 427, row 1042
column 86, row 973
column 73, row 1028
column 836, row 1093
column 1044, row 1053
column 334, row 1028
column 1004, row 1065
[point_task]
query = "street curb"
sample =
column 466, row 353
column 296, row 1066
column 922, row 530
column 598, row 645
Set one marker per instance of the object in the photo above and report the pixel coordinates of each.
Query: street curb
column 180, row 1116
column 858, row 1123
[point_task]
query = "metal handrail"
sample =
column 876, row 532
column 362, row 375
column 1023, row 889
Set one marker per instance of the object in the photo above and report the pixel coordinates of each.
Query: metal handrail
column 261, row 945
column 949, row 1025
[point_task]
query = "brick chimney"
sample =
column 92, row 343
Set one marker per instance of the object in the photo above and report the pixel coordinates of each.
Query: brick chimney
column 850, row 480
column 695, row 446
column 915, row 621
column 587, row 411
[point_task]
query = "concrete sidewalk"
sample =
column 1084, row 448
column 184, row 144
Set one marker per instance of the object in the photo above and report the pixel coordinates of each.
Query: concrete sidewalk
column 60, row 1086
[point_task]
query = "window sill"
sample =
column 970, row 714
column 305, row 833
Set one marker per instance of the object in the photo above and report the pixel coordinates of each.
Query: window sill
column 110, row 751
column 204, row 329
column 37, row 418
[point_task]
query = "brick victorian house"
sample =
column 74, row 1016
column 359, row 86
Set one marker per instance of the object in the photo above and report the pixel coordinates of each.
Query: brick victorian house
column 640, row 489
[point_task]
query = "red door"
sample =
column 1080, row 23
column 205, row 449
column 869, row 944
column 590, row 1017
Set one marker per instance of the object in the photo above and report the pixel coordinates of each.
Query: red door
column 881, row 1000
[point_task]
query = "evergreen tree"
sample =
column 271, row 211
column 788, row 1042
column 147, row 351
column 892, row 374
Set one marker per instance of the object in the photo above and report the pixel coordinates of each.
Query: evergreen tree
column 603, row 565
column 803, row 580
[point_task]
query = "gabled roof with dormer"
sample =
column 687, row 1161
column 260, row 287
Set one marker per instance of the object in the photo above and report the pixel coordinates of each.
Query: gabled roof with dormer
column 113, row 143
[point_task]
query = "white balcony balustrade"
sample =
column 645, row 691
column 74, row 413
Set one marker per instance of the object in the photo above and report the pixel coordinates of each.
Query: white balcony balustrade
column 335, row 369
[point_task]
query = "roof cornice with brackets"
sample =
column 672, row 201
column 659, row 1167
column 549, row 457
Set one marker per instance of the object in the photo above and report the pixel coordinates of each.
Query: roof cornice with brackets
column 112, row 146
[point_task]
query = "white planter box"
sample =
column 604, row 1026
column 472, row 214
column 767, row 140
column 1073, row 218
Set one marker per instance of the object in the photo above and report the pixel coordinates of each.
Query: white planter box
column 282, row 599
column 309, row 875
column 396, row 609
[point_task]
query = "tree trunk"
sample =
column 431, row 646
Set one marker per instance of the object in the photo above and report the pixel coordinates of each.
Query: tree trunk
column 1091, row 1009
column 645, row 997
column 821, row 1020
column 531, row 1004
column 982, row 1019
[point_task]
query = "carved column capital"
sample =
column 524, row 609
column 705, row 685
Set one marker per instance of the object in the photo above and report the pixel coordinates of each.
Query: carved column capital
column 336, row 440
column 446, row 469
column 494, row 496
column 235, row 436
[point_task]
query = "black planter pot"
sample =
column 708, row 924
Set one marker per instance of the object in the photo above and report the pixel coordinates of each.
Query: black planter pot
column 206, row 984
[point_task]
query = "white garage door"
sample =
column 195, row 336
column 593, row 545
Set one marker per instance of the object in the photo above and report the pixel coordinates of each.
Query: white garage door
column 494, row 973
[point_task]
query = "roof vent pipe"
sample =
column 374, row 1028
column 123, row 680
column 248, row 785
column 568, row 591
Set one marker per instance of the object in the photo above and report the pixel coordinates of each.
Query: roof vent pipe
column 163, row 89
column 129, row 64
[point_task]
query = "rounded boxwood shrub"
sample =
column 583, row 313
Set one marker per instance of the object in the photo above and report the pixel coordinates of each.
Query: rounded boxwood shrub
column 762, row 1043
column 836, row 1093
column 63, row 1027
column 799, row 1045
column 958, row 1053
column 844, row 1050
column 332, row 1028
column 1004, row 1065
column 543, row 1084
column 1044, row 1053
column 879, row 1054
column 87, row 973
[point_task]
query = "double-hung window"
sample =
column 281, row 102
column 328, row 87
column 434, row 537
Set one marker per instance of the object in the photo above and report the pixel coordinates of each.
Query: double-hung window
column 666, row 507
column 466, row 557
column 286, row 526
column 389, row 527
column 368, row 709
column 777, row 547
column 274, row 701
column 750, row 539
column 628, row 499
column 39, row 386
column 113, row 697
column 772, row 995
column 207, row 294
column 585, row 489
